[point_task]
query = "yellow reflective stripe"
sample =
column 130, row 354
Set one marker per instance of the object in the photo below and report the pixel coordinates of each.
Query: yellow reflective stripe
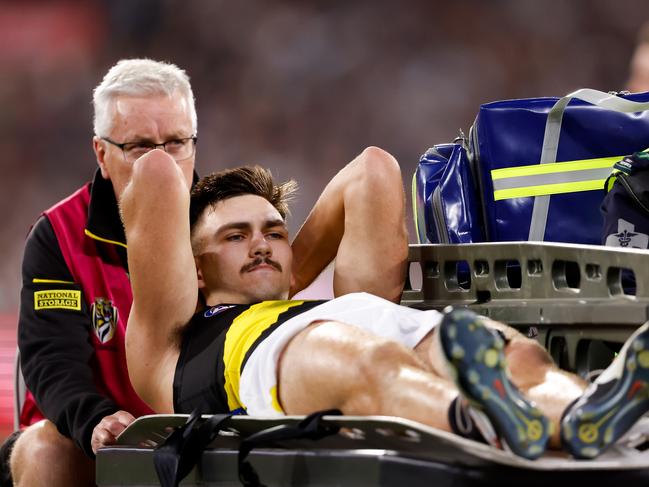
column 50, row 281
column 546, row 189
column 242, row 334
column 554, row 167
column 92, row 235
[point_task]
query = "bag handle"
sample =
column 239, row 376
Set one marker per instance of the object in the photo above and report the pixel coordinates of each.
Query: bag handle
column 607, row 101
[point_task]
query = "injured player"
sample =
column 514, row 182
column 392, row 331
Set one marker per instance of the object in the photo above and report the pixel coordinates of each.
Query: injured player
column 251, row 349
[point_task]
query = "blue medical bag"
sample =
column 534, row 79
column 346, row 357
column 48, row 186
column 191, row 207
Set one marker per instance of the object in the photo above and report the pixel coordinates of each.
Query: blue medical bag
column 445, row 199
column 541, row 163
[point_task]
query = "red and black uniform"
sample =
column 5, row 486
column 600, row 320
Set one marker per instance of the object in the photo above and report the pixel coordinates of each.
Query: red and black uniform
column 75, row 302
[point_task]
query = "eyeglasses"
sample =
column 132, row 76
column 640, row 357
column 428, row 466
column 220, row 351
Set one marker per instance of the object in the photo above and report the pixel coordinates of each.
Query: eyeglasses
column 179, row 149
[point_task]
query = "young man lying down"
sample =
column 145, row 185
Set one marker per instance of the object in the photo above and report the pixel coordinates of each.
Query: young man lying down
column 250, row 349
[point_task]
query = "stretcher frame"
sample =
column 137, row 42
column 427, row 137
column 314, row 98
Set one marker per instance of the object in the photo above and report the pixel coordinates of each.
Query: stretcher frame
column 368, row 451
column 570, row 297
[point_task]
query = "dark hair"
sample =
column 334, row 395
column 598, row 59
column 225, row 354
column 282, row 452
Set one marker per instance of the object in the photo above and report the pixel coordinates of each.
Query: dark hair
column 222, row 185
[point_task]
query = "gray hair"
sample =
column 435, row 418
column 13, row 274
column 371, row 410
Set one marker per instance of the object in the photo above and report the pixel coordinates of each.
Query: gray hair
column 139, row 77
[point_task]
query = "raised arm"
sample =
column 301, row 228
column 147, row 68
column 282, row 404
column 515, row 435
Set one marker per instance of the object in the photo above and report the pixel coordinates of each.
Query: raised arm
column 155, row 212
column 360, row 221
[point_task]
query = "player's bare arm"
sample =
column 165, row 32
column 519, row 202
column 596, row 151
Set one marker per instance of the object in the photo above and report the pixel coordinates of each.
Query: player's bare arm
column 360, row 221
column 154, row 209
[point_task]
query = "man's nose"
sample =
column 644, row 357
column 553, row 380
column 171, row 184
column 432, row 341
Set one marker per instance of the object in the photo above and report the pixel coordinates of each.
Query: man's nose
column 260, row 246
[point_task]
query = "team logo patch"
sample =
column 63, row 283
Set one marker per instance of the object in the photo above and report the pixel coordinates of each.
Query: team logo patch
column 215, row 310
column 104, row 319
column 57, row 299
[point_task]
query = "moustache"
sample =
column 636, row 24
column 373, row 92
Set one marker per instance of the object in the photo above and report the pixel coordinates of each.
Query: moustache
column 259, row 261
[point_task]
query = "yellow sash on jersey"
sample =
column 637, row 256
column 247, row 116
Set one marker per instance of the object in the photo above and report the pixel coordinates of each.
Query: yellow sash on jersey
column 241, row 336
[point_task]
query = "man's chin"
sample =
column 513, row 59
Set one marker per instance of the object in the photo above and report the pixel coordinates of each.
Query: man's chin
column 265, row 288
column 270, row 295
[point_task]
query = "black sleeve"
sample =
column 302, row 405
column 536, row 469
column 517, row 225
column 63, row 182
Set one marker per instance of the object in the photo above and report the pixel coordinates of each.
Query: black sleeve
column 55, row 348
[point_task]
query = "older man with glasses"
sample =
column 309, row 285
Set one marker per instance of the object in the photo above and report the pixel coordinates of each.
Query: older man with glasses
column 76, row 293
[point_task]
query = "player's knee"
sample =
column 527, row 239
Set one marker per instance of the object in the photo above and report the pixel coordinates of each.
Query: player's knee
column 525, row 352
column 40, row 442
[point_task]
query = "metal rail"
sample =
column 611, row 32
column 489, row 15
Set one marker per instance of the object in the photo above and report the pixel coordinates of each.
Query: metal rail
column 577, row 300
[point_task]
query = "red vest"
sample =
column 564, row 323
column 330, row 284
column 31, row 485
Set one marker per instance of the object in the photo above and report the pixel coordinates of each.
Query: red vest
column 96, row 267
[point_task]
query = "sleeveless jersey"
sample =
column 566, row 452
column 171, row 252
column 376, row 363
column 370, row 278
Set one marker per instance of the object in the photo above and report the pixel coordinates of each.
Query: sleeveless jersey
column 215, row 347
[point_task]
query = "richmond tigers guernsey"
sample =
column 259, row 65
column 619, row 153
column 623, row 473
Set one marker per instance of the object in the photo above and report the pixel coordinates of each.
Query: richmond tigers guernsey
column 215, row 348
column 230, row 353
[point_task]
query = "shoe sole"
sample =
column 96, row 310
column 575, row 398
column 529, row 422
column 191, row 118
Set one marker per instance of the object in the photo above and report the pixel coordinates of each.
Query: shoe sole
column 476, row 360
column 594, row 423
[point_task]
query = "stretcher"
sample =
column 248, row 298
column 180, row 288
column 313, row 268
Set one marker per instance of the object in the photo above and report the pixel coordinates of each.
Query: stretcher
column 574, row 299
column 367, row 451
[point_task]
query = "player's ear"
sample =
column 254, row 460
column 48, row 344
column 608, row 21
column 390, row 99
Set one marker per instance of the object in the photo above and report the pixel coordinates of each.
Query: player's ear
column 199, row 273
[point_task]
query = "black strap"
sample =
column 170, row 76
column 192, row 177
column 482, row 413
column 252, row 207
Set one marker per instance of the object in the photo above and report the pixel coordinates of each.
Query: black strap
column 313, row 427
column 176, row 457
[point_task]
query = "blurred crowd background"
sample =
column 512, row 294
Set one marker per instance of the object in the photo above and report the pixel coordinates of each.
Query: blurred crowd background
column 300, row 86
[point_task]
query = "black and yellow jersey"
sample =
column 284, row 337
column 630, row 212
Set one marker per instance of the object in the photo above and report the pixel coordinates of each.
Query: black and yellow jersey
column 227, row 333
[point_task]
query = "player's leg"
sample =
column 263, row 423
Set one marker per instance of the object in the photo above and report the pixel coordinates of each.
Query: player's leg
column 613, row 403
column 535, row 373
column 42, row 456
column 529, row 367
column 476, row 361
column 360, row 221
column 334, row 365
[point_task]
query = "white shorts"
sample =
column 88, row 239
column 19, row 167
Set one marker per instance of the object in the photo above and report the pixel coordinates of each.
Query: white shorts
column 408, row 326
